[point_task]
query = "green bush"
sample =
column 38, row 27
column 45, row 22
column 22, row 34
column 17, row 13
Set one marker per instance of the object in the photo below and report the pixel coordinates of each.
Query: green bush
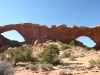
column 63, row 47
column 50, row 54
column 32, row 67
column 57, row 41
column 72, row 43
column 23, row 53
column 66, row 54
column 92, row 62
column 72, row 57
column 98, row 62
column 56, row 62
column 87, row 48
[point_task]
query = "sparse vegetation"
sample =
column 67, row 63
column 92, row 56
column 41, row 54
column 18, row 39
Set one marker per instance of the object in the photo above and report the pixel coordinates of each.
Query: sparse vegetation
column 72, row 43
column 6, row 68
column 94, row 62
column 46, row 67
column 66, row 54
column 1, row 53
column 23, row 53
column 57, row 41
column 64, row 46
column 98, row 62
column 32, row 67
column 53, row 54
column 72, row 57
column 87, row 48
column 50, row 54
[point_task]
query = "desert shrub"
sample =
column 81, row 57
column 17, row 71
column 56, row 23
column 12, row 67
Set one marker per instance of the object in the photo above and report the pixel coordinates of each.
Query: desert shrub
column 66, row 54
column 57, row 41
column 6, row 68
column 87, row 48
column 32, row 67
column 46, row 67
column 43, row 67
column 39, row 54
column 56, row 62
column 72, row 57
column 98, row 62
column 72, row 43
column 63, row 47
column 50, row 54
column 92, row 62
column 23, row 53
column 1, row 53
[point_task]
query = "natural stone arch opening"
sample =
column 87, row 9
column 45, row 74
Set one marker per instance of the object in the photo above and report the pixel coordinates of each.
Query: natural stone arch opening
column 86, row 41
column 13, row 35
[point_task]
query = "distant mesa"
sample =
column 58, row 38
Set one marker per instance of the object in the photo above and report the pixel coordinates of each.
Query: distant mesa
column 62, row 33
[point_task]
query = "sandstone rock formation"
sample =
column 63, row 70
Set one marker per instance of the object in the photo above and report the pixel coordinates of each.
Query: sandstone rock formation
column 62, row 33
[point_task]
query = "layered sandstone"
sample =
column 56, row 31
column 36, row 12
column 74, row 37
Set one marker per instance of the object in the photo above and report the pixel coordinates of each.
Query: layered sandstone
column 62, row 33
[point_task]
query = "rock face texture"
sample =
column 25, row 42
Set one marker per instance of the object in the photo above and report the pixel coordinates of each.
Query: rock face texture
column 62, row 33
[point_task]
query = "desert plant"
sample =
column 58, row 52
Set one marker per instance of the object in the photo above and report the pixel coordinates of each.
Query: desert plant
column 63, row 47
column 39, row 54
column 72, row 43
column 98, row 62
column 23, row 53
column 87, row 48
column 66, row 54
column 50, row 54
column 43, row 67
column 72, row 57
column 6, row 68
column 56, row 62
column 32, row 67
column 57, row 41
column 92, row 62
column 46, row 67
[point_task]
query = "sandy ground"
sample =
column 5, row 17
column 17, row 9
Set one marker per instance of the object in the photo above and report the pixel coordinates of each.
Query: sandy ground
column 56, row 72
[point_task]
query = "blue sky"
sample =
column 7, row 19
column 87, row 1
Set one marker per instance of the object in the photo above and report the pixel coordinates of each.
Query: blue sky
column 49, row 12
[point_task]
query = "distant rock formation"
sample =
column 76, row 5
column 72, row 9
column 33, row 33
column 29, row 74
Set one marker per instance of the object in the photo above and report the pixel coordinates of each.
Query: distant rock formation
column 62, row 33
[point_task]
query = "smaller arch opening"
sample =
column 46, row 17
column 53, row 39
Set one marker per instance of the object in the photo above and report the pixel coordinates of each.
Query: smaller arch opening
column 13, row 35
column 86, row 41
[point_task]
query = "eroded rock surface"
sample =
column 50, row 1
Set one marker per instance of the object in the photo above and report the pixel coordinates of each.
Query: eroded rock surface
column 62, row 33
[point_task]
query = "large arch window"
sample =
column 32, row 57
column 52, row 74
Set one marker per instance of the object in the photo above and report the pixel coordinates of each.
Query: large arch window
column 13, row 35
column 86, row 41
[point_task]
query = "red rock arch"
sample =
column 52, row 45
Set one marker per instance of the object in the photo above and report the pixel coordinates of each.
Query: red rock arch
column 63, row 33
